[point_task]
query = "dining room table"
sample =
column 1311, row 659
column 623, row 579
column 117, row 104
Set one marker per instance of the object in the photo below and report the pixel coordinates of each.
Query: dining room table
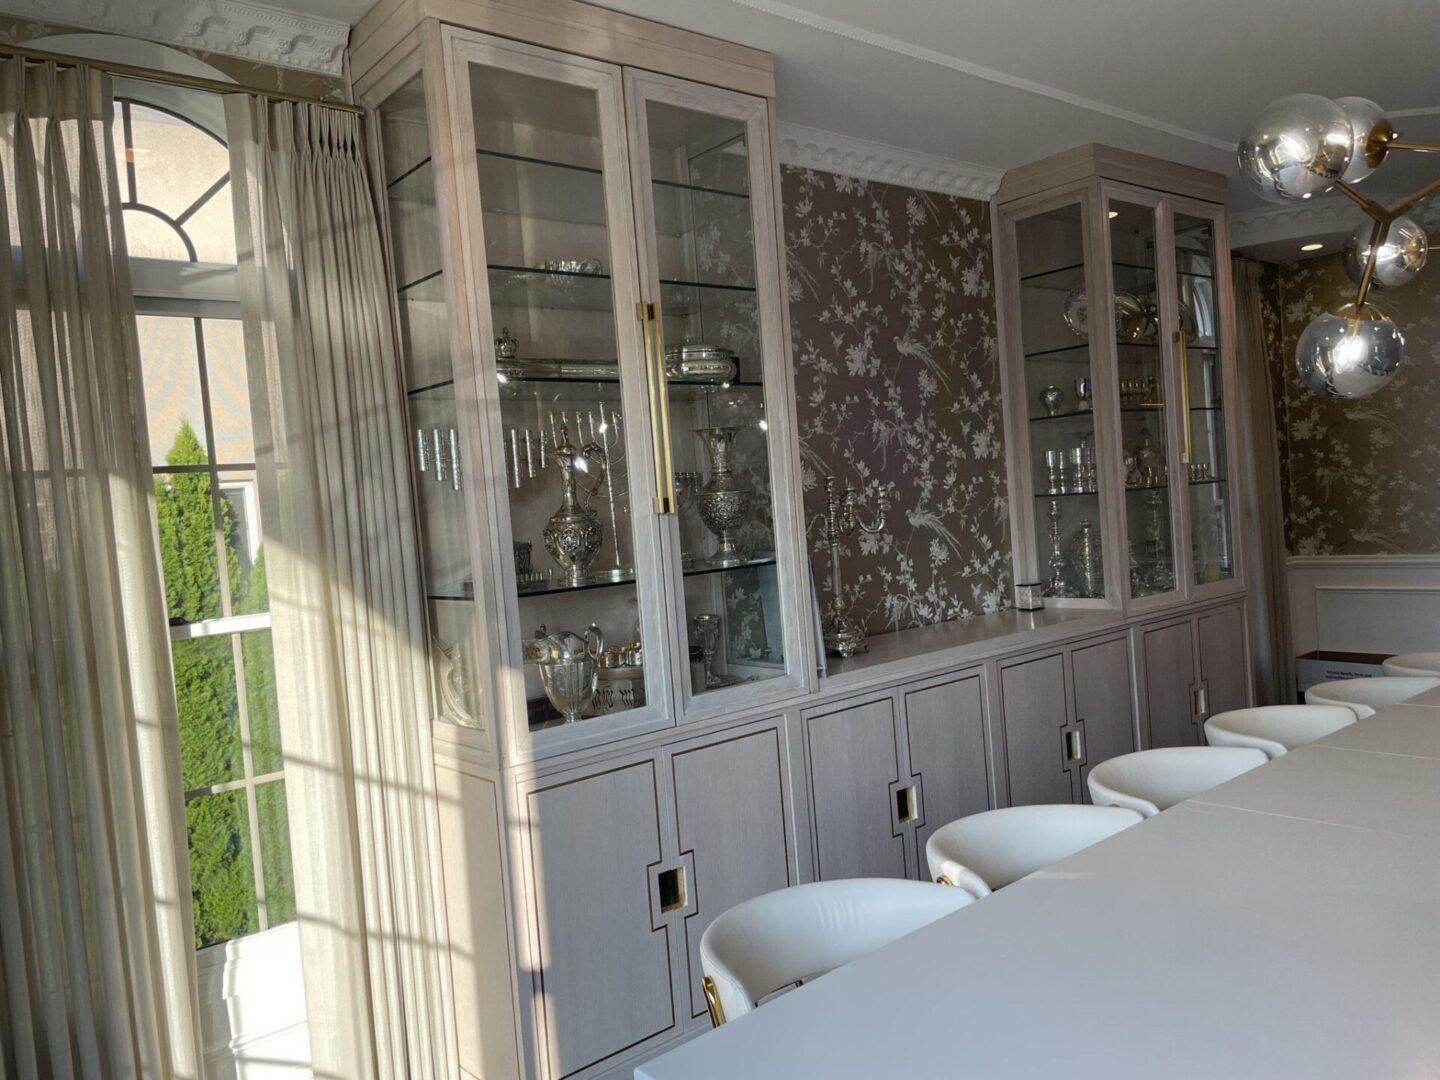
column 1283, row 924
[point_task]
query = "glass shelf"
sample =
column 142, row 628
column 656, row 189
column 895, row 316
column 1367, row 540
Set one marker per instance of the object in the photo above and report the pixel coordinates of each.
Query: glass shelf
column 502, row 155
column 707, row 285
column 1076, row 414
column 1064, row 494
column 605, row 579
column 700, row 189
column 411, row 289
column 431, row 388
column 533, row 287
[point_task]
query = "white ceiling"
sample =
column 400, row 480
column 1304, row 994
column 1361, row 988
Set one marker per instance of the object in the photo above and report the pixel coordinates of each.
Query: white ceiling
column 1003, row 82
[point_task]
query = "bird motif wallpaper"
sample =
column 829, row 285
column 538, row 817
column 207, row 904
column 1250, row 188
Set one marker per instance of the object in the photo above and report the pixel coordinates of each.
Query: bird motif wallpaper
column 1359, row 477
column 892, row 307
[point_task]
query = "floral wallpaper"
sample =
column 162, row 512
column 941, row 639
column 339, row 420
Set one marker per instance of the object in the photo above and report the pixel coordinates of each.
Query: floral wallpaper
column 892, row 307
column 1359, row 477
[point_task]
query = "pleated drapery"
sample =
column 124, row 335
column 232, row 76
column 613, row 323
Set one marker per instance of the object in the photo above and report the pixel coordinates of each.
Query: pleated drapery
column 344, row 598
column 97, row 971
column 1263, row 524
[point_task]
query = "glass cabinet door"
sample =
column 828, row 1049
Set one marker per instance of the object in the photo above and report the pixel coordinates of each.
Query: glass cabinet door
column 713, row 320
column 1057, row 336
column 408, row 172
column 568, row 436
column 1145, row 411
column 1198, row 351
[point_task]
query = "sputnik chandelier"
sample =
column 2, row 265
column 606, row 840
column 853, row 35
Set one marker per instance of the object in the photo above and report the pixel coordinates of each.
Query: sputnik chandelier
column 1302, row 146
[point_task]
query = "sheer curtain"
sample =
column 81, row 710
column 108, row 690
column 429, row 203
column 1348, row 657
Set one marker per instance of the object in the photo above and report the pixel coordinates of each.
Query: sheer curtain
column 1263, row 529
column 97, row 974
column 348, row 627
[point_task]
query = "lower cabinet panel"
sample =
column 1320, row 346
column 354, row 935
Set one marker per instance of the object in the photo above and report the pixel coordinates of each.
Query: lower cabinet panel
column 1104, row 703
column 1223, row 666
column 603, row 982
column 1170, row 677
column 1033, row 696
column 731, row 814
column 945, row 724
column 854, row 763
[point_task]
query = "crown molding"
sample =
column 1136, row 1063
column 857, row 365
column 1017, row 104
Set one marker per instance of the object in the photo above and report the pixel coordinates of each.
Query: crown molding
column 238, row 28
column 1314, row 219
column 811, row 148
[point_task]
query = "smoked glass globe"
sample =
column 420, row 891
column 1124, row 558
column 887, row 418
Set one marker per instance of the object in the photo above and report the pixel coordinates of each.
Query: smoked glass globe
column 1364, row 115
column 1349, row 355
column 1402, row 253
column 1296, row 148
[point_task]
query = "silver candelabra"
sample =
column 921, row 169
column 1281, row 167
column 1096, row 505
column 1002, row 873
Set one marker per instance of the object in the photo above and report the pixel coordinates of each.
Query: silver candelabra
column 843, row 636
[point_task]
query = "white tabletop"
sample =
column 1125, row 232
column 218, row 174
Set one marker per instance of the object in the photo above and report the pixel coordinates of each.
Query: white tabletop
column 1285, row 925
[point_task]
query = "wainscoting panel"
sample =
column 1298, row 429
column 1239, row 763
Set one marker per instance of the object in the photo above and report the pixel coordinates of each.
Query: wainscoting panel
column 1365, row 603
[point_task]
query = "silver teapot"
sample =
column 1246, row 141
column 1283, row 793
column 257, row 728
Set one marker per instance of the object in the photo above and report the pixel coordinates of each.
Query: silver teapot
column 568, row 666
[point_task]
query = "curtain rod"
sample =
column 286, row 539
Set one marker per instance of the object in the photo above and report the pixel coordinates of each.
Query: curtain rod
column 194, row 82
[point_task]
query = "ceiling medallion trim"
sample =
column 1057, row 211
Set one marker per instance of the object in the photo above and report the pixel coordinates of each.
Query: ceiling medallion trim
column 811, row 148
column 790, row 13
column 249, row 31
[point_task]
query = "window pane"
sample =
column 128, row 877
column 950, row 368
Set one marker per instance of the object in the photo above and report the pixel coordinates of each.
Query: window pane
column 229, row 390
column 212, row 229
column 175, row 162
column 260, row 702
column 205, row 692
column 150, row 237
column 187, row 546
column 171, row 368
column 240, row 505
column 275, row 853
column 222, row 877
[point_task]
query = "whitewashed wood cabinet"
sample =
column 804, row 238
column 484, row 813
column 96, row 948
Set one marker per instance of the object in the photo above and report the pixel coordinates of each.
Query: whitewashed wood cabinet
column 1064, row 711
column 1120, row 431
column 1190, row 668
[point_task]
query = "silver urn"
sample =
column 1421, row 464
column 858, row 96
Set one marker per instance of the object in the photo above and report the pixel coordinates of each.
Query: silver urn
column 723, row 502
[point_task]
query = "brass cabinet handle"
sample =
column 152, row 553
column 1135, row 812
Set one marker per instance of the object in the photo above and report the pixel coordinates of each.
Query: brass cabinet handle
column 659, row 409
column 1189, row 454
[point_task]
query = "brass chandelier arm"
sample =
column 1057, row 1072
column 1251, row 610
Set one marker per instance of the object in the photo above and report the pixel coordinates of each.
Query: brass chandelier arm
column 1409, row 203
column 1362, row 291
column 1418, row 147
column 1370, row 206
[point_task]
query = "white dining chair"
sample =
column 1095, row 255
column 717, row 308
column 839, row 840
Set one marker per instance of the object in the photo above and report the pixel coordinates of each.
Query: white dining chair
column 1276, row 729
column 773, row 941
column 1415, row 663
column 1149, row 781
column 989, row 850
column 1365, row 697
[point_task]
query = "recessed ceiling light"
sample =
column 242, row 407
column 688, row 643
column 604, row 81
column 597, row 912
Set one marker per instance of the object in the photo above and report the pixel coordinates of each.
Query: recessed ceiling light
column 1114, row 213
column 1316, row 246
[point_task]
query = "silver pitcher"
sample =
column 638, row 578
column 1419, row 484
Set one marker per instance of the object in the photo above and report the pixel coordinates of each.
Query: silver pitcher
column 568, row 666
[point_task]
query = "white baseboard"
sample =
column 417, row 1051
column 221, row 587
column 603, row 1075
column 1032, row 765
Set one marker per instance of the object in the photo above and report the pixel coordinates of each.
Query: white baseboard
column 1365, row 603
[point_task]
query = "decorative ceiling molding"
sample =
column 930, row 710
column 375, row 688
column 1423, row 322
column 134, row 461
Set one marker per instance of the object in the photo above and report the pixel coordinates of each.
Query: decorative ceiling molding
column 1311, row 220
column 781, row 10
column 238, row 28
column 812, row 148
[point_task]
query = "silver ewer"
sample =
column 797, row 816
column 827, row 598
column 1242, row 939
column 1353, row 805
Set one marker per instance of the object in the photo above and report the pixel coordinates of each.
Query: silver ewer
column 722, row 502
column 569, row 668
column 572, row 535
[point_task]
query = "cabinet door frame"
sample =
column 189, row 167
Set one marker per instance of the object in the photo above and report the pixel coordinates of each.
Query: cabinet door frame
column 792, row 566
column 1061, row 653
column 1142, row 674
column 1236, row 456
column 1019, row 463
column 462, row 48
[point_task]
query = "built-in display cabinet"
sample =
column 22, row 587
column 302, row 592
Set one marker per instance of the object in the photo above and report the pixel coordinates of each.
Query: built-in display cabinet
column 584, row 235
column 1119, row 426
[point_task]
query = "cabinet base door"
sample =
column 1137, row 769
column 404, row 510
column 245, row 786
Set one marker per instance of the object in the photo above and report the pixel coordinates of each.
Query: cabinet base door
column 1223, row 666
column 1036, row 722
column 1104, row 706
column 602, row 981
column 945, row 725
column 854, row 771
column 1170, row 684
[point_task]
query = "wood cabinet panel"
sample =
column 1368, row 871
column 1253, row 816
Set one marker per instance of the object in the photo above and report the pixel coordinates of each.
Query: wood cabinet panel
column 730, row 810
column 1221, row 636
column 854, row 763
column 1170, row 677
column 603, row 981
column 1034, row 701
column 945, row 726
column 1104, row 703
